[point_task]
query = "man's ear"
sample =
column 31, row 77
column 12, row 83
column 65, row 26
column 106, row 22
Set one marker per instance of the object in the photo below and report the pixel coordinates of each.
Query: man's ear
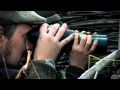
column 1, row 34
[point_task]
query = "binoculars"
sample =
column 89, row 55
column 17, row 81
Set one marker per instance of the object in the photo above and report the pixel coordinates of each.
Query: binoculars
column 102, row 39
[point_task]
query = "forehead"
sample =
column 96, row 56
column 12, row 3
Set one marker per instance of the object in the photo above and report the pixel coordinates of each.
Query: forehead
column 29, row 25
column 23, row 27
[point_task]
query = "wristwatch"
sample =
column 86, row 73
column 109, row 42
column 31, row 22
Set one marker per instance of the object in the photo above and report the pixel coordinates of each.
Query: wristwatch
column 50, row 62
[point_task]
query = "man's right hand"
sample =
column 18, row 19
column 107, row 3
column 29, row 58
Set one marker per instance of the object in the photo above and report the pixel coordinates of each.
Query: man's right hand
column 48, row 44
column 80, row 51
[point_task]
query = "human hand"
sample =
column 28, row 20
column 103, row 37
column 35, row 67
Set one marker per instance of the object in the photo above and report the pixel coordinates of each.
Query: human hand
column 80, row 51
column 48, row 44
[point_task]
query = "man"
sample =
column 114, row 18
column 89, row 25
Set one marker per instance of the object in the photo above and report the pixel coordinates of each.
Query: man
column 14, row 25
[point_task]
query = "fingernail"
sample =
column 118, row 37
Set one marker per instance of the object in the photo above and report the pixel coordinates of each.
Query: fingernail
column 56, row 24
column 46, row 24
column 65, row 24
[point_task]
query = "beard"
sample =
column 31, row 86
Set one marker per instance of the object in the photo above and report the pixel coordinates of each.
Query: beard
column 8, row 48
column 4, row 54
column 7, row 53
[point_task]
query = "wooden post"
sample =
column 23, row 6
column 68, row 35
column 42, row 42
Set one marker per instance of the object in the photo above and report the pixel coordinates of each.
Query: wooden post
column 89, row 74
column 119, row 36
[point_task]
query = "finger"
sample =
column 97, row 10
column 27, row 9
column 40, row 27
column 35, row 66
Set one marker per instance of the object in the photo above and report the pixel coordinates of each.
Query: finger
column 76, row 39
column 83, row 32
column 43, row 29
column 88, row 43
column 54, row 29
column 76, row 31
column 83, row 41
column 95, row 32
column 93, row 46
column 88, row 33
column 67, row 40
column 61, row 31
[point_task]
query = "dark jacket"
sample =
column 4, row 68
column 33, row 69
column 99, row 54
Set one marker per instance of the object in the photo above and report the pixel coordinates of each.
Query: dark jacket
column 40, row 70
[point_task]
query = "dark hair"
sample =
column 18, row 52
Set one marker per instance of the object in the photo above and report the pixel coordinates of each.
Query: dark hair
column 9, row 30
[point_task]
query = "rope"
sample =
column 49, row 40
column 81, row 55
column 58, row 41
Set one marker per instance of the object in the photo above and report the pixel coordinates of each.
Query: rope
column 35, row 70
column 5, row 65
column 31, row 61
column 24, row 68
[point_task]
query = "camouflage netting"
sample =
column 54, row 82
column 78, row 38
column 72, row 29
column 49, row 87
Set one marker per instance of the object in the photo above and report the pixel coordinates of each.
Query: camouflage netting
column 102, row 22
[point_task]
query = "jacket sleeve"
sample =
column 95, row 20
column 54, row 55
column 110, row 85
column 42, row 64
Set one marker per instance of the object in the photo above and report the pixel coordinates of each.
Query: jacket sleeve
column 40, row 70
column 73, row 72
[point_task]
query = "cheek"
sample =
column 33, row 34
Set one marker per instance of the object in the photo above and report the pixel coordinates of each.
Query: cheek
column 18, row 44
column 18, row 47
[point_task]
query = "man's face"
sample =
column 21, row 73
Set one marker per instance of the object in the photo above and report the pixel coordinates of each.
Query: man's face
column 14, row 47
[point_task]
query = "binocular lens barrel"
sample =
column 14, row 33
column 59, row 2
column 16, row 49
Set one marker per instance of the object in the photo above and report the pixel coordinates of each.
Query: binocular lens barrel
column 102, row 39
